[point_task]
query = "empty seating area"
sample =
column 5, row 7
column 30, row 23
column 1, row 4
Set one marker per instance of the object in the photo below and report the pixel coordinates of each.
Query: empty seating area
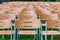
column 29, row 18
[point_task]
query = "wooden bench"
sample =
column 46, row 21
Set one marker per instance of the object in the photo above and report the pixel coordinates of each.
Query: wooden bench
column 28, row 21
column 44, row 15
column 51, row 19
column 5, row 24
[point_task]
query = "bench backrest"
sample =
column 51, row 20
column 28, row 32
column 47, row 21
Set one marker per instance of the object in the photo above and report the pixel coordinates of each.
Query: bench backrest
column 28, row 15
column 2, row 16
column 28, row 19
column 5, row 23
column 54, row 21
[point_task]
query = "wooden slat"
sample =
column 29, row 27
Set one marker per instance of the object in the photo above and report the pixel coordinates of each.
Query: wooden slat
column 6, row 32
column 51, row 33
column 29, row 32
column 21, row 23
column 43, row 24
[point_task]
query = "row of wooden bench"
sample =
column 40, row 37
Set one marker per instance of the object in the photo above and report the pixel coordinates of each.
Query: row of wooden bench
column 28, row 17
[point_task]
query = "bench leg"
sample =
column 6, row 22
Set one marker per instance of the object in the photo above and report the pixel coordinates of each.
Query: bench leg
column 15, row 31
column 18, row 35
column 41, row 34
column 11, row 37
column 37, row 33
column 51, row 37
column 11, row 32
column 34, row 37
column 46, row 30
column 3, row 37
column 59, row 37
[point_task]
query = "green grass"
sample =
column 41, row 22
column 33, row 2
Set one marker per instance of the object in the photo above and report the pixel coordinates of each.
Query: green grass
column 29, row 37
